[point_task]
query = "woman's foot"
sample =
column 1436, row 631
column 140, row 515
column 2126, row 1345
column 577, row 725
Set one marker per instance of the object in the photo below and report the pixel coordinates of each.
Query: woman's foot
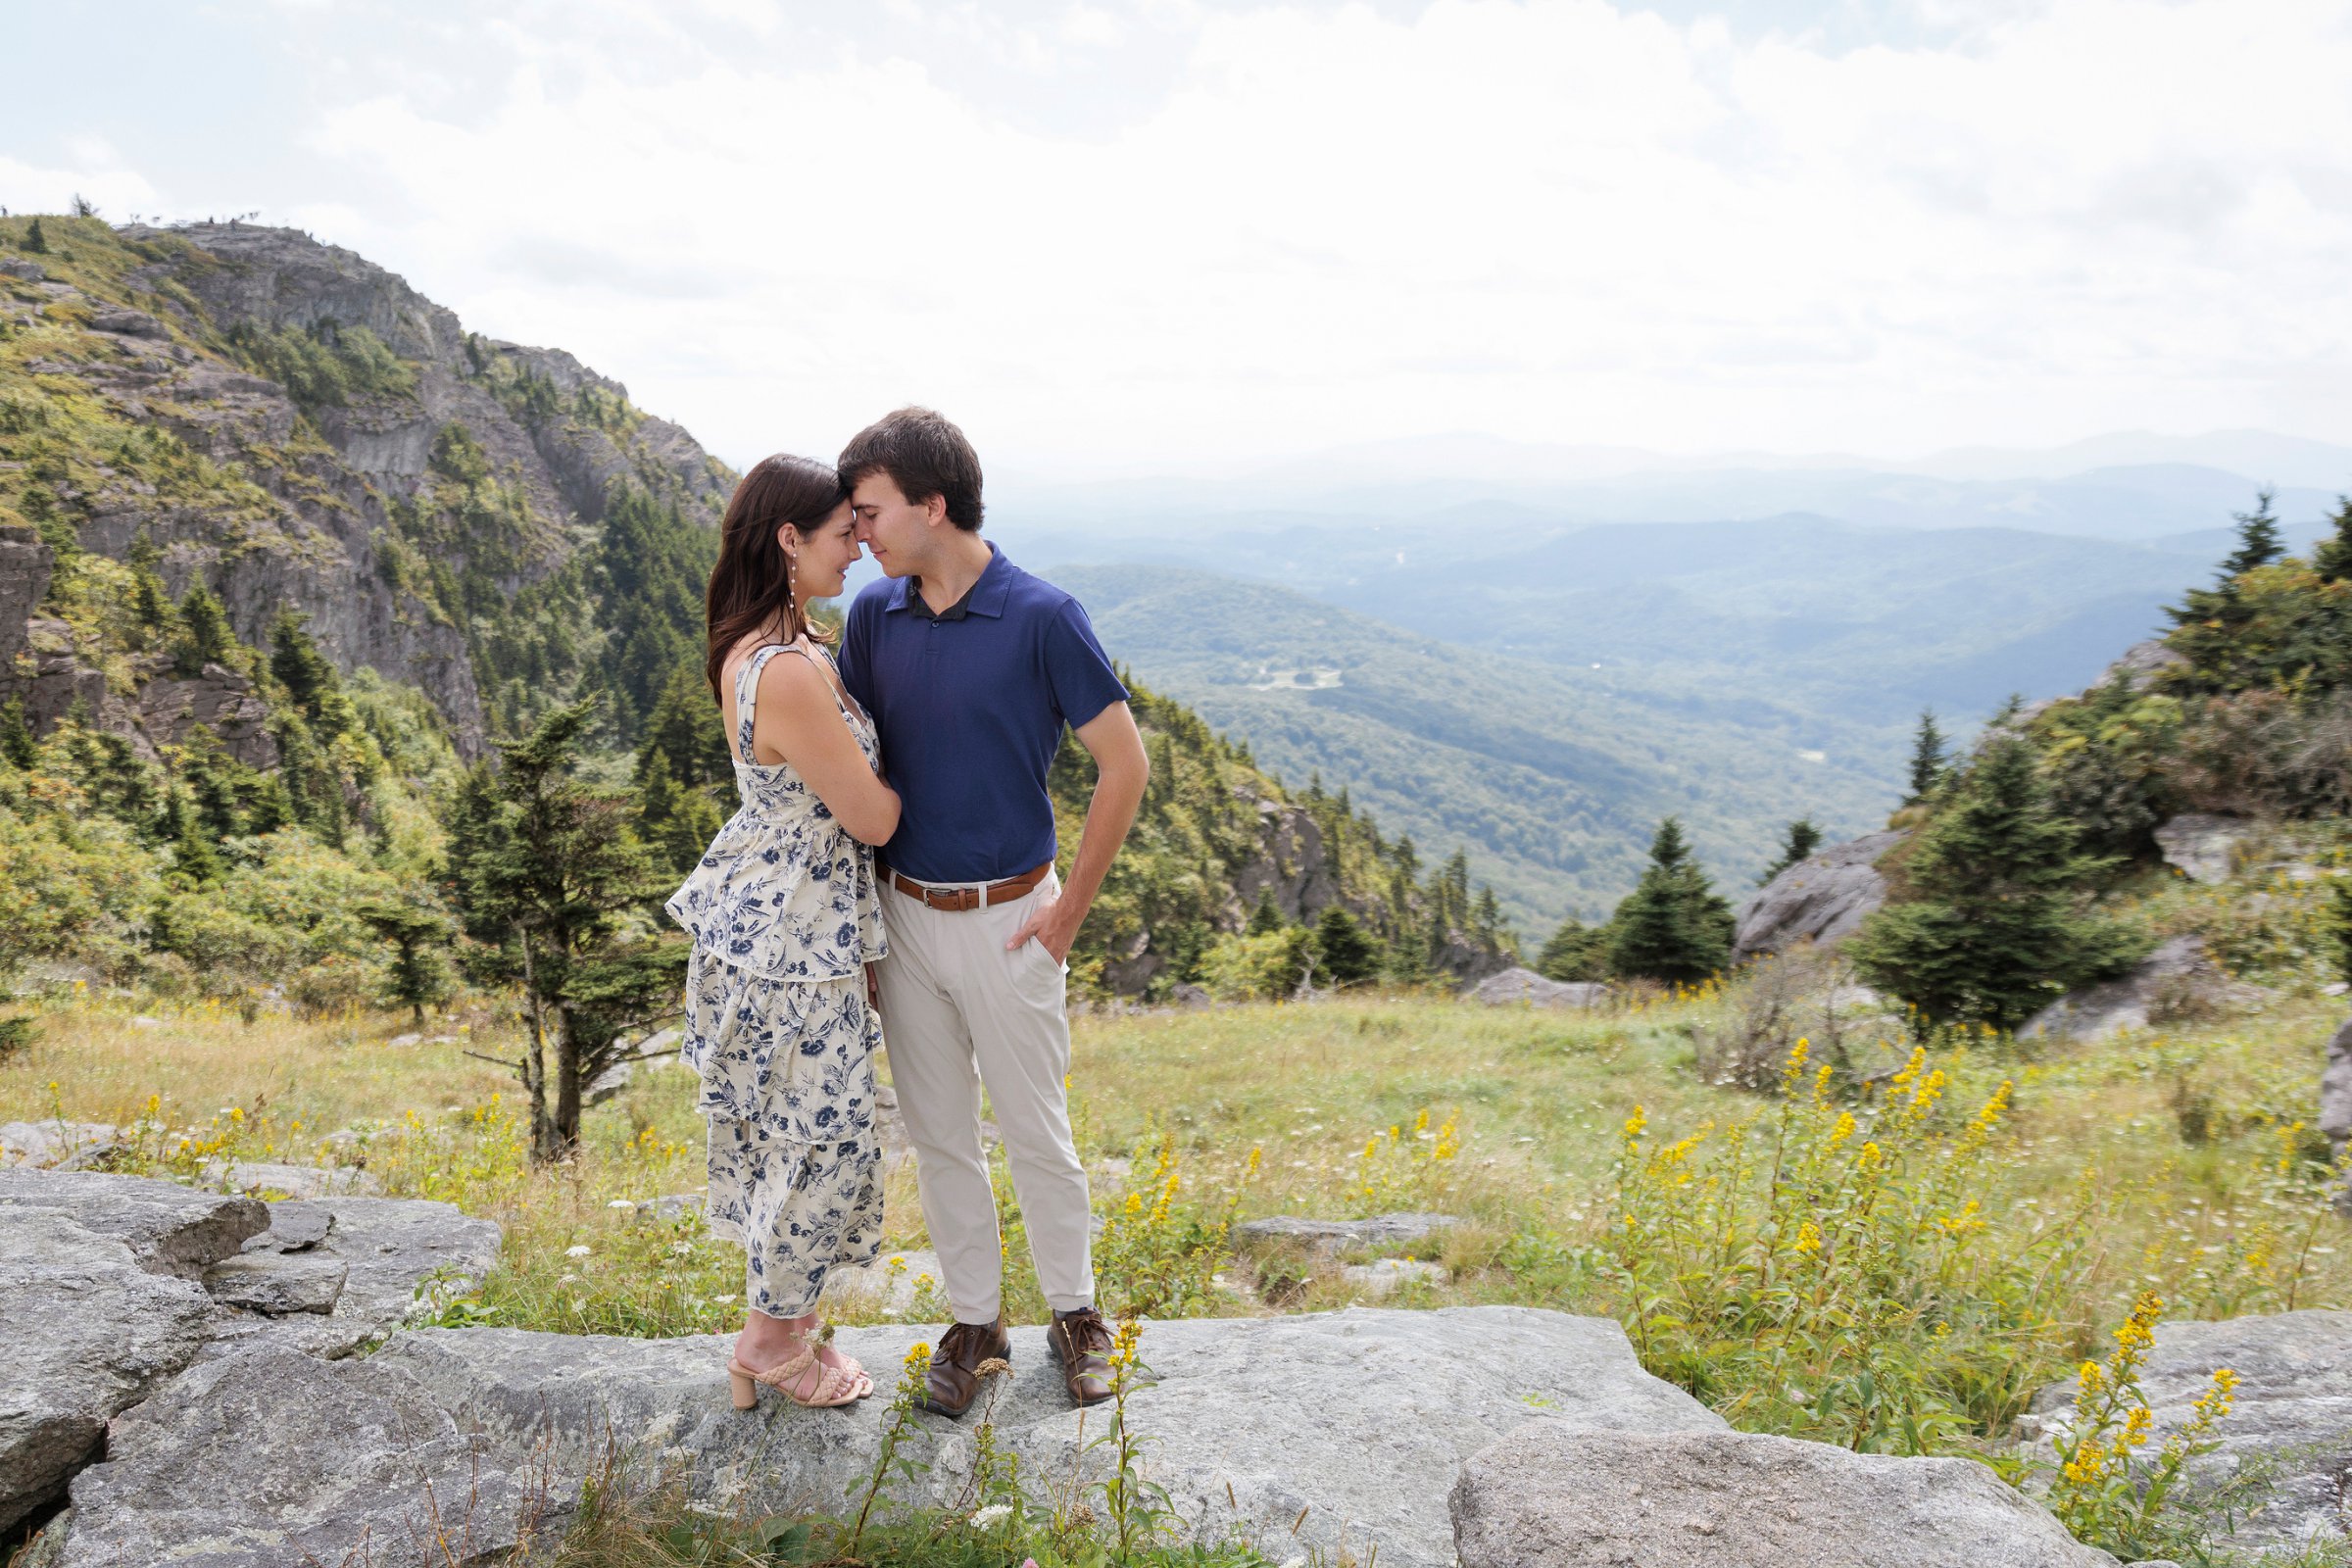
column 767, row 1343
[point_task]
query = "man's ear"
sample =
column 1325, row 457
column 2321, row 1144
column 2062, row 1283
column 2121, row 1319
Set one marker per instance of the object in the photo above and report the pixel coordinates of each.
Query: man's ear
column 935, row 510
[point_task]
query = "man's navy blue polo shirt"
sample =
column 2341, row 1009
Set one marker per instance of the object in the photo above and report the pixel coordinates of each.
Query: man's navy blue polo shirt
column 971, row 705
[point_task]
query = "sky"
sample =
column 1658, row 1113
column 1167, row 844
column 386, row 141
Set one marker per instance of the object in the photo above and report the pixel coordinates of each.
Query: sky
column 1128, row 236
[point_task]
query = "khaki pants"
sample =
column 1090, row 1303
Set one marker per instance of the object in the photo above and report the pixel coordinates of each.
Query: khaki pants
column 959, row 1011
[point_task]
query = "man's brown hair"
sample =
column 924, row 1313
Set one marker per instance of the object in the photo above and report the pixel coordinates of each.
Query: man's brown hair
column 925, row 456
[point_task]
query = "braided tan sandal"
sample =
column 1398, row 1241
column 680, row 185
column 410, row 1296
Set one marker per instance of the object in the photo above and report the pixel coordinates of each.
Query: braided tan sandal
column 836, row 1386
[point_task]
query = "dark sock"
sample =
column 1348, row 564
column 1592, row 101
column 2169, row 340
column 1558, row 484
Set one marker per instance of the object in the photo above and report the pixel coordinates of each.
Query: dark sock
column 1074, row 1312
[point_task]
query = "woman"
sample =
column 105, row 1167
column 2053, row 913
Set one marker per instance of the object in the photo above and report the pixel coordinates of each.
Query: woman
column 785, row 919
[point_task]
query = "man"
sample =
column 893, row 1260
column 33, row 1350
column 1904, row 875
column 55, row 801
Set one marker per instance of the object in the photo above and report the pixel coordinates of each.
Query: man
column 970, row 668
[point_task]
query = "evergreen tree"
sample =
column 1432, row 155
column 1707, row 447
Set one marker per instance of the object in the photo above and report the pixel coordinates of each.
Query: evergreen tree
column 676, row 822
column 689, row 730
column 1797, row 844
column 1576, row 952
column 1930, row 764
column 308, row 675
column 2332, row 557
column 550, row 865
column 36, row 241
column 151, row 602
column 417, row 932
column 205, row 637
column 194, row 860
column 1992, row 934
column 17, row 744
column 2258, row 539
column 1266, row 917
column 272, row 806
column 2340, row 900
column 1673, row 926
column 1347, row 955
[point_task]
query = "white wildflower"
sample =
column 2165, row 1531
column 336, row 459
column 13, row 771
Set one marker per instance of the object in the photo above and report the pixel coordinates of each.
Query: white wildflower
column 581, row 1250
column 993, row 1513
column 623, row 1203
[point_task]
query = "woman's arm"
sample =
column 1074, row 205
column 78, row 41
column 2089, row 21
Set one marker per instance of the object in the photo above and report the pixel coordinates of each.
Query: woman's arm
column 798, row 719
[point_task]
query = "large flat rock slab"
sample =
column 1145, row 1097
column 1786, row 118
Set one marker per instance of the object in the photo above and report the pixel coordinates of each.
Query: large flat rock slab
column 1551, row 1495
column 1823, row 900
column 1358, row 1420
column 167, row 1228
column 2293, row 1410
column 84, row 1332
column 273, row 1458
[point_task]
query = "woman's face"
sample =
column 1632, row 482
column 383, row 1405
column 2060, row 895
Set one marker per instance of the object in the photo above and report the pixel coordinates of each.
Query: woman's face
column 821, row 560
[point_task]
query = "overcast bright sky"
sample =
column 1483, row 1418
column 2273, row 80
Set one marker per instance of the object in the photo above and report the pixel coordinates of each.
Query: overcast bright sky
column 1172, row 233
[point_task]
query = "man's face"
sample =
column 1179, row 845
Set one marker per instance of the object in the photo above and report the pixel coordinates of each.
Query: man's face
column 897, row 531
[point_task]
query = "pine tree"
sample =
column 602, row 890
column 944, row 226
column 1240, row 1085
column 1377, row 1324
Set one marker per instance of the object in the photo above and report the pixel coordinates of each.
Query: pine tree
column 205, row 637
column 1266, row 917
column 36, row 241
column 194, row 860
column 676, row 822
column 272, row 806
column 17, row 744
column 1347, row 955
column 151, row 602
column 1992, row 934
column 417, row 932
column 1797, row 844
column 549, row 867
column 689, row 730
column 2258, row 539
column 2332, row 557
column 1576, row 952
column 1673, row 926
column 1930, row 764
column 308, row 675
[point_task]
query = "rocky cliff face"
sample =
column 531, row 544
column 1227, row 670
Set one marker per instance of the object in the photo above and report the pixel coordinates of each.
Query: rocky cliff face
column 141, row 413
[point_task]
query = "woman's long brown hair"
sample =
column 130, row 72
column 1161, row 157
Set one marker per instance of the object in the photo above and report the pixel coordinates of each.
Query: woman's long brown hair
column 750, row 587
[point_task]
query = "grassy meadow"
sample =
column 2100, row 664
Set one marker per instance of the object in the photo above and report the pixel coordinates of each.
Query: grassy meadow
column 2180, row 1162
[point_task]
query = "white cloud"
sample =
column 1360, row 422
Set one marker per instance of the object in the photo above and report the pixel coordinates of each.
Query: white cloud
column 1551, row 220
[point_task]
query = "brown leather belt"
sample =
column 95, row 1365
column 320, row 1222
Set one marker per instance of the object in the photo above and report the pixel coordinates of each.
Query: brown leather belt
column 951, row 900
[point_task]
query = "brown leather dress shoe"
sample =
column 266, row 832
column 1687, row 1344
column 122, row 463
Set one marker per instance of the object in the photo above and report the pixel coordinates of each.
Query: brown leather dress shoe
column 954, row 1375
column 1082, row 1344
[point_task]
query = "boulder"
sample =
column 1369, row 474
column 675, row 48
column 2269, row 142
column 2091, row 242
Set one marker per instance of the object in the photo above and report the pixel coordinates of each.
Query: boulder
column 1332, row 1236
column 402, row 1252
column 1299, row 1430
column 1554, row 1496
column 2142, row 662
column 2335, row 1088
column 169, row 1229
column 1822, row 899
column 2293, row 1410
column 2178, row 973
column 1527, row 986
column 56, row 1145
column 88, row 1332
column 270, row 1458
column 2202, row 846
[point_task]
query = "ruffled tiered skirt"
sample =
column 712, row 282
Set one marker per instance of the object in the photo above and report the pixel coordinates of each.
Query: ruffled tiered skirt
column 787, row 1076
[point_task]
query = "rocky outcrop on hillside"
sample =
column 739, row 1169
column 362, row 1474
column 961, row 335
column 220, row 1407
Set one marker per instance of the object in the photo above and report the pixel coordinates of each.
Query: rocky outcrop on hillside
column 113, row 1288
column 2178, row 979
column 1492, row 1436
column 303, row 487
column 1822, row 899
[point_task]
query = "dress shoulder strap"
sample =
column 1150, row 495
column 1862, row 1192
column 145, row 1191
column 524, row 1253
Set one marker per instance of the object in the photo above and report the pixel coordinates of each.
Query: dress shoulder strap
column 747, row 696
column 832, row 678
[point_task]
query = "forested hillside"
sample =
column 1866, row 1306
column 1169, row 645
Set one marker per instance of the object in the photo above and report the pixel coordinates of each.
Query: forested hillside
column 291, row 567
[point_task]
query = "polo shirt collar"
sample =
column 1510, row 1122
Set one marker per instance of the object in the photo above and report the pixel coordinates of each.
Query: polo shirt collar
column 985, row 597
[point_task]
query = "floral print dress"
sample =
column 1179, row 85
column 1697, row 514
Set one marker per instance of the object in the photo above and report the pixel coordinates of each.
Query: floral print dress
column 785, row 915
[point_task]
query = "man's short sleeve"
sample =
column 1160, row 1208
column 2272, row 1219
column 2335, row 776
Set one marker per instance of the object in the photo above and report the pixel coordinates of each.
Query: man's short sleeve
column 1077, row 670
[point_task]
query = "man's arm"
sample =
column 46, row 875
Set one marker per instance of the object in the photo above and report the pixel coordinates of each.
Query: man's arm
column 1121, row 770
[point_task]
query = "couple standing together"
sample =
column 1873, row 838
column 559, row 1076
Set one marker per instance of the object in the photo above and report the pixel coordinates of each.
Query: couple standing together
column 926, row 737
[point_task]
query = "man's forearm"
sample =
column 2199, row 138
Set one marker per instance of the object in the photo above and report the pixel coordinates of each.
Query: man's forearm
column 1110, row 814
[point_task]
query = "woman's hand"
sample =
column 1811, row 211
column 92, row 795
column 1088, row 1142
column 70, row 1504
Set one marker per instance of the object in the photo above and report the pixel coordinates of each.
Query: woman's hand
column 873, row 989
